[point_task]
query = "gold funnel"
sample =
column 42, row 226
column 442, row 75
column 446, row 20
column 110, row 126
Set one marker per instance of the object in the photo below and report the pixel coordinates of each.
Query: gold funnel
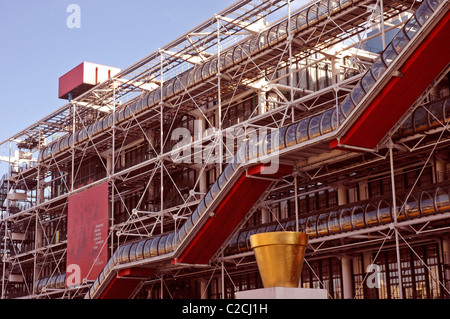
column 279, row 256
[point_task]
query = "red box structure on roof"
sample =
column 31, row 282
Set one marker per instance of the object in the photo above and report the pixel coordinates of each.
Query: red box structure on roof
column 84, row 77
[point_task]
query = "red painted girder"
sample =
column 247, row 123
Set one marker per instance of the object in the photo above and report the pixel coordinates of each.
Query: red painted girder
column 236, row 204
column 421, row 68
column 126, row 281
column 120, row 288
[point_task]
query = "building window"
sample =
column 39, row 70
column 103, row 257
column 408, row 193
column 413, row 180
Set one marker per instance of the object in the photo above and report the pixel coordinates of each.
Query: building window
column 323, row 274
column 418, row 281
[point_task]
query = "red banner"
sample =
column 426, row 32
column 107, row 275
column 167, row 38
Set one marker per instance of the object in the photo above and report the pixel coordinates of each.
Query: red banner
column 87, row 234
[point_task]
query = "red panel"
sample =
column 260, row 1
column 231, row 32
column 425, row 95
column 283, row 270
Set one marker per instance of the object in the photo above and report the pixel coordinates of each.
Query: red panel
column 136, row 272
column 240, row 199
column 120, row 288
column 70, row 81
column 266, row 171
column 87, row 233
column 126, row 281
column 84, row 77
column 422, row 67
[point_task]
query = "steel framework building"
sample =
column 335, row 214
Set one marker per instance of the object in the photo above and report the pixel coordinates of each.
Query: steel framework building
column 330, row 118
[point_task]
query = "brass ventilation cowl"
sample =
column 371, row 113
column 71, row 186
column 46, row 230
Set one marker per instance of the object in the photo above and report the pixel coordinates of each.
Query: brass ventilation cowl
column 279, row 256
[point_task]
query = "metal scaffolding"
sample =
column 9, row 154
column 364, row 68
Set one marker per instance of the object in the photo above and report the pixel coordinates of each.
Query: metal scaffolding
column 221, row 82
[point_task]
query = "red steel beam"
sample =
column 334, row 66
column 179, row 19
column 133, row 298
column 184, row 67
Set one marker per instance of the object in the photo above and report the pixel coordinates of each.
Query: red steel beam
column 125, row 282
column 419, row 70
column 236, row 204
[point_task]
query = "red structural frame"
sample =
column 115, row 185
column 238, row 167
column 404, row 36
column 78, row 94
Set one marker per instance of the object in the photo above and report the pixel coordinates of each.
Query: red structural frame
column 236, row 204
column 125, row 282
column 387, row 108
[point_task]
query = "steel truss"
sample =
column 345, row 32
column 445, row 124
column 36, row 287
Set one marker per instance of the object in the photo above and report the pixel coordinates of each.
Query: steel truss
column 272, row 79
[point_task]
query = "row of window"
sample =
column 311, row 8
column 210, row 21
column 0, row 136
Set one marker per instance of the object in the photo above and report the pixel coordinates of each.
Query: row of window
column 422, row 274
column 323, row 199
column 419, row 280
column 376, row 211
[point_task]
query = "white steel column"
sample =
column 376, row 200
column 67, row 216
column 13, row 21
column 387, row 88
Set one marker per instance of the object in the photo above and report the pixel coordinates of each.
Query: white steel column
column 203, row 182
column 264, row 215
column 73, row 146
column 446, row 259
column 108, row 165
column 440, row 169
column 222, row 282
column 113, row 165
column 335, row 70
column 40, row 198
column 383, row 37
column 203, row 288
column 291, row 75
column 161, row 143
column 347, row 277
column 342, row 195
column 390, row 145
column 5, row 245
column 262, row 104
column 219, row 98
column 199, row 129
column 161, row 293
column 363, row 190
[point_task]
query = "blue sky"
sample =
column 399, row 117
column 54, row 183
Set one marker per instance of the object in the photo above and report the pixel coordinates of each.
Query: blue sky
column 37, row 47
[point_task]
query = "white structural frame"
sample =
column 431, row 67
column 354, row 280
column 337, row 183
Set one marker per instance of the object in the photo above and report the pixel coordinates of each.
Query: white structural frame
column 272, row 84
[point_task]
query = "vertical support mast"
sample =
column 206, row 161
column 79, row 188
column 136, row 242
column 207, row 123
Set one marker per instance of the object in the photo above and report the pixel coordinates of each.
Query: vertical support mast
column 113, row 165
column 219, row 97
column 73, row 145
column 161, row 143
column 223, row 277
column 291, row 75
column 296, row 201
column 5, row 244
column 39, row 200
column 383, row 38
column 390, row 145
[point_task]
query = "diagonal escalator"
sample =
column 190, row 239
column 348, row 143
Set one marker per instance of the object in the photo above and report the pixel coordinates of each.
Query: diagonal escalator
column 390, row 86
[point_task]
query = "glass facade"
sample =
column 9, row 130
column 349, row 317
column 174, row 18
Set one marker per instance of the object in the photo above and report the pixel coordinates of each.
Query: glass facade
column 421, row 274
column 421, row 277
